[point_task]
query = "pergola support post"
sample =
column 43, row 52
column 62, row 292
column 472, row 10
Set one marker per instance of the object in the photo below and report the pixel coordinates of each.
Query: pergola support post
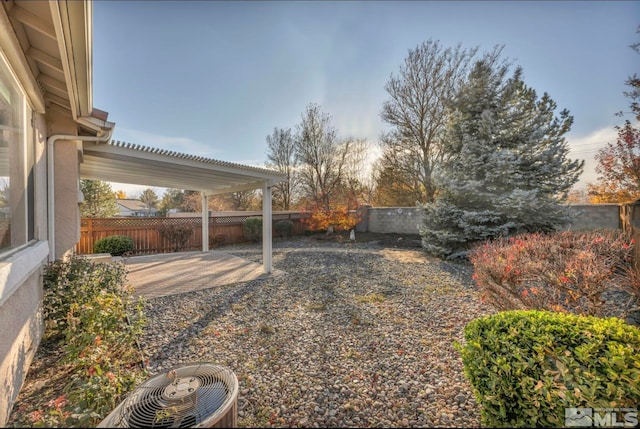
column 205, row 222
column 266, row 228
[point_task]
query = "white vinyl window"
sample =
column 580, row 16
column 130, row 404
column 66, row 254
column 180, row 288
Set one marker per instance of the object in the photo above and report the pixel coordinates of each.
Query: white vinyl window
column 16, row 164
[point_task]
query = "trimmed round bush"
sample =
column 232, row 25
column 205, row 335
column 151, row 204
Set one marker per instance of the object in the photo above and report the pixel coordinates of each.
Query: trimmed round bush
column 527, row 367
column 284, row 228
column 252, row 228
column 115, row 244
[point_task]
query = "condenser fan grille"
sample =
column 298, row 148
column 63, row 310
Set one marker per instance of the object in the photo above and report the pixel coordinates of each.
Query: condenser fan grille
column 189, row 396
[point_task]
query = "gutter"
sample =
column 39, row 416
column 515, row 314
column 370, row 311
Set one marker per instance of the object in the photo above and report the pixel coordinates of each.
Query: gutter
column 51, row 227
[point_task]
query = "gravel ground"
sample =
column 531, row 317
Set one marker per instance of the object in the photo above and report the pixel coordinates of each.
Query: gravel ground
column 351, row 335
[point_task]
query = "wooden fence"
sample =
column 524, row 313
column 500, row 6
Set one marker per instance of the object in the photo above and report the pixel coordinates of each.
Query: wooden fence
column 149, row 234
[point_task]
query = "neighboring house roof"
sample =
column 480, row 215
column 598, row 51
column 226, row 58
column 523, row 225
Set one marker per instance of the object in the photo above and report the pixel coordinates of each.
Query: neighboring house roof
column 134, row 205
column 149, row 166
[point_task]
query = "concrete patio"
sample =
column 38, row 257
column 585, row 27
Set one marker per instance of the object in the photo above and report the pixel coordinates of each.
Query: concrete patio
column 154, row 276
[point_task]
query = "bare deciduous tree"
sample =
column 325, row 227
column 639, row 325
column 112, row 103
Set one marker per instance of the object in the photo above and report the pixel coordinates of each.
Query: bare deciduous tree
column 282, row 157
column 354, row 181
column 323, row 158
column 417, row 111
column 241, row 200
column 236, row 201
column 392, row 187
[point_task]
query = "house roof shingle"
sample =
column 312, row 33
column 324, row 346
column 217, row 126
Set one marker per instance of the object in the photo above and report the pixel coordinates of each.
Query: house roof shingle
column 133, row 204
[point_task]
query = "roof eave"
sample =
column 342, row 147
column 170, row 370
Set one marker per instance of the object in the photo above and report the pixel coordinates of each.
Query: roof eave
column 17, row 60
column 72, row 21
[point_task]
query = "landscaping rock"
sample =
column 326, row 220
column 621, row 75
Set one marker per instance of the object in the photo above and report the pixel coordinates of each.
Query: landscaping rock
column 358, row 335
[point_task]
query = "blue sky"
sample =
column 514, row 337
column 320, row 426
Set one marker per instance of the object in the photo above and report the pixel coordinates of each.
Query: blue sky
column 213, row 78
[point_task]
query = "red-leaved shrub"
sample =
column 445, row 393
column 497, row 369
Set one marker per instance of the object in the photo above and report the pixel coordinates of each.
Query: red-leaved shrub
column 586, row 273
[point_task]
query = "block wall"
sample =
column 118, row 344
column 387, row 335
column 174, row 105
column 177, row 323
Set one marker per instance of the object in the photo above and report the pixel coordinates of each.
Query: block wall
column 406, row 220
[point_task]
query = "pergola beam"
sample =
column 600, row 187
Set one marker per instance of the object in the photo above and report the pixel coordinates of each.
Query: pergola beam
column 133, row 173
column 229, row 189
column 145, row 154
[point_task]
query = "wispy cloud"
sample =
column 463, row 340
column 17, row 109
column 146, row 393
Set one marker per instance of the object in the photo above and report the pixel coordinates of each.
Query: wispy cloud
column 585, row 147
column 593, row 141
column 177, row 143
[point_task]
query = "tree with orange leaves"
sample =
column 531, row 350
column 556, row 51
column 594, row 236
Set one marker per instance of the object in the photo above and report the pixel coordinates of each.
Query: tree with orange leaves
column 618, row 168
column 338, row 218
column 619, row 163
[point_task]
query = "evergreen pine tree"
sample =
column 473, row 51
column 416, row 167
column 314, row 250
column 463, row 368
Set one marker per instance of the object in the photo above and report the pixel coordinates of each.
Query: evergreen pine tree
column 99, row 199
column 507, row 171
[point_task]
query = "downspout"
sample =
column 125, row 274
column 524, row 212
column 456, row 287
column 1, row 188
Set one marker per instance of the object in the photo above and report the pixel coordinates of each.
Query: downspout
column 50, row 182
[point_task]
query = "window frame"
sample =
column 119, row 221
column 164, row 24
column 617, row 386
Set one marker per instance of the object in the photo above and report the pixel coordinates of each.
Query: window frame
column 20, row 170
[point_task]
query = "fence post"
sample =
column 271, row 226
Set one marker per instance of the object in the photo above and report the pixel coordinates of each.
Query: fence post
column 631, row 220
column 211, row 226
column 90, row 239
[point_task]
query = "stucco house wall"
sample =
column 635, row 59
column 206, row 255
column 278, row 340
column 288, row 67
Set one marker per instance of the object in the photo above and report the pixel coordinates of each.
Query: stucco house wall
column 22, row 327
column 66, row 184
column 21, row 288
column 24, row 161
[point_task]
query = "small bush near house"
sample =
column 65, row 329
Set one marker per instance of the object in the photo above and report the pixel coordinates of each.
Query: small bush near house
column 586, row 273
column 92, row 323
column 75, row 284
column 284, row 228
column 252, row 229
column 526, row 367
column 117, row 245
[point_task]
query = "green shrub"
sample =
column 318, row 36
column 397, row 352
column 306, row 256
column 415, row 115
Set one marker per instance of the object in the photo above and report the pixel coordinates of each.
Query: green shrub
column 526, row 367
column 115, row 244
column 574, row 272
column 284, row 227
column 92, row 319
column 252, row 229
column 77, row 282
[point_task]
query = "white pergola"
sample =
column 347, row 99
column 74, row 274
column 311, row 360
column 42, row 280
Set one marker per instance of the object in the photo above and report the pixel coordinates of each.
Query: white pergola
column 148, row 166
